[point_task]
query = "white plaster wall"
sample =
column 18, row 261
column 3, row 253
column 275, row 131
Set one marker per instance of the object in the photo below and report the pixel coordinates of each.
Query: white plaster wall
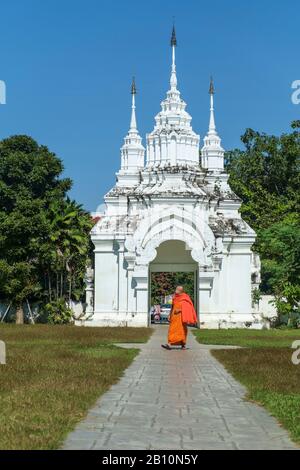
column 106, row 278
column 239, row 286
column 221, row 288
column 233, row 320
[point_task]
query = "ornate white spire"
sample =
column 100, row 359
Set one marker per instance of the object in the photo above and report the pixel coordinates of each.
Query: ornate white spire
column 132, row 151
column 133, row 128
column 173, row 80
column 212, row 153
column 173, row 141
column 212, row 125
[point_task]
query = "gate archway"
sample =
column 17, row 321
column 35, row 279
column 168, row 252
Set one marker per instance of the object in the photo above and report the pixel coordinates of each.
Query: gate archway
column 174, row 257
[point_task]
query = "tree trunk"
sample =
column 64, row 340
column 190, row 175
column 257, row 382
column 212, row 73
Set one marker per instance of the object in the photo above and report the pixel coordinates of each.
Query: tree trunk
column 49, row 286
column 20, row 315
column 70, row 290
column 57, row 292
column 61, row 284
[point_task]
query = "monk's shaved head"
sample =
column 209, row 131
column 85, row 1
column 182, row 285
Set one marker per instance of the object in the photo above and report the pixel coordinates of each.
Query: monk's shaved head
column 179, row 290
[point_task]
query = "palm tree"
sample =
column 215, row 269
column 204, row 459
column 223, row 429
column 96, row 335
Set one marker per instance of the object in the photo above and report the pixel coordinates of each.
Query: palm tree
column 67, row 246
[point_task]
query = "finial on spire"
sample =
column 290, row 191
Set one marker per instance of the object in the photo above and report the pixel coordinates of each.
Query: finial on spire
column 133, row 87
column 173, row 37
column 211, row 87
column 212, row 125
column 133, row 127
column 173, row 81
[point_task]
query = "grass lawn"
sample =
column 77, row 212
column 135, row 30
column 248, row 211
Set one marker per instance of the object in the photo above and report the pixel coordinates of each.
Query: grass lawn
column 249, row 338
column 264, row 366
column 54, row 374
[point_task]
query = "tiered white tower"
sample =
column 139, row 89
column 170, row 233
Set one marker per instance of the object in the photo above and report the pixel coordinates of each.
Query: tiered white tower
column 174, row 212
column 173, row 140
column 212, row 152
column 132, row 151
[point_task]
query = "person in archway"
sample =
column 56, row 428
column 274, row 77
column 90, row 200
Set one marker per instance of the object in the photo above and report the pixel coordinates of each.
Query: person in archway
column 182, row 314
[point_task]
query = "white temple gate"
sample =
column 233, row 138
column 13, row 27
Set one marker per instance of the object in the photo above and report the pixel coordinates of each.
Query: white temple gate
column 179, row 195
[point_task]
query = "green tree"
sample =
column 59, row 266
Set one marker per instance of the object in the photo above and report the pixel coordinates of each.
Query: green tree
column 266, row 176
column 164, row 283
column 44, row 240
column 64, row 250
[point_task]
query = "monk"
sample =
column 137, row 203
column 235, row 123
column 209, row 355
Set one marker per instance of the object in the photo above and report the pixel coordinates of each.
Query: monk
column 182, row 314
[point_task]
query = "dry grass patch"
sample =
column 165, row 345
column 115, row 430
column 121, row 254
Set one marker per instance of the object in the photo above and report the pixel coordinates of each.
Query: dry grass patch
column 271, row 379
column 248, row 338
column 265, row 367
column 54, row 374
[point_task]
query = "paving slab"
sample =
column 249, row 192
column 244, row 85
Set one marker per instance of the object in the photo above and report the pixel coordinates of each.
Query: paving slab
column 176, row 400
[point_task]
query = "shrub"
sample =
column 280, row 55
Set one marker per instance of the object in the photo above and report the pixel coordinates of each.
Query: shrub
column 58, row 312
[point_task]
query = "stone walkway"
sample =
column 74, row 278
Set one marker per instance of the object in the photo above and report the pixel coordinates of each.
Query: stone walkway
column 177, row 400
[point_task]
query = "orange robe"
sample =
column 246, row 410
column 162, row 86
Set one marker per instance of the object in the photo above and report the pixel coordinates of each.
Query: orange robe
column 182, row 313
column 177, row 330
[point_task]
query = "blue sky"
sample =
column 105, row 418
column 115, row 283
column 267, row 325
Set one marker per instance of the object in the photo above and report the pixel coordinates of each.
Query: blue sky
column 68, row 64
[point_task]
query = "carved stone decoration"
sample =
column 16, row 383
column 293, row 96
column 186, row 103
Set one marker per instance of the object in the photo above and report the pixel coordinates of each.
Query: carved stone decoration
column 89, row 276
column 89, row 293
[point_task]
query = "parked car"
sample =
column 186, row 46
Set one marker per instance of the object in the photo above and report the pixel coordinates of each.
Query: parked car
column 165, row 312
column 155, row 314
column 160, row 313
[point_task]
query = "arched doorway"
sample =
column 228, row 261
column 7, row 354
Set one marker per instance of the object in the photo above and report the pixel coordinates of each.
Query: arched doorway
column 175, row 265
